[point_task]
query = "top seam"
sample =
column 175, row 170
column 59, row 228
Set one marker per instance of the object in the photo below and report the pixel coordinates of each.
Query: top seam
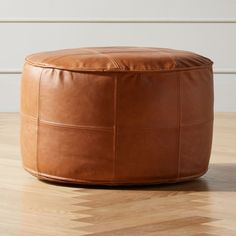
column 103, row 69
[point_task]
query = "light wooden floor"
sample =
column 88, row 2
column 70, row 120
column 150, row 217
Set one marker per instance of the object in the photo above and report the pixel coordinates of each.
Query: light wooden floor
column 203, row 207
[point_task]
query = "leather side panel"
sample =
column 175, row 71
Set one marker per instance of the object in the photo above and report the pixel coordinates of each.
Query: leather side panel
column 76, row 125
column 147, row 127
column 196, row 121
column 29, row 113
column 77, row 98
column 75, row 153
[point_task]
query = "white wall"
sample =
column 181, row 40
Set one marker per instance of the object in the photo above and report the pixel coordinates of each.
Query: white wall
column 207, row 27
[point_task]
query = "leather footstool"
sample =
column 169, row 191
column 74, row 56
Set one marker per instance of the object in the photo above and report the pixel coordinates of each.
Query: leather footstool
column 116, row 115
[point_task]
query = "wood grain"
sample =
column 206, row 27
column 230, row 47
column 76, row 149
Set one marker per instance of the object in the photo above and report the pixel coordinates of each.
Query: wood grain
column 201, row 207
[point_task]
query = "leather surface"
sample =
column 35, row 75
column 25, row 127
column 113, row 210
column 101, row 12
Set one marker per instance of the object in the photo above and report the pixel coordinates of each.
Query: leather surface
column 118, row 59
column 116, row 115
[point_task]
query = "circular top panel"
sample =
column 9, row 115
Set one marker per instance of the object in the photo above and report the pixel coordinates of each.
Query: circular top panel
column 119, row 59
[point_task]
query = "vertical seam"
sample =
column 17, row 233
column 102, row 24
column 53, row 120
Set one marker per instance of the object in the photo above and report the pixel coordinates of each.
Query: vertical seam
column 115, row 128
column 112, row 60
column 179, row 123
column 38, row 119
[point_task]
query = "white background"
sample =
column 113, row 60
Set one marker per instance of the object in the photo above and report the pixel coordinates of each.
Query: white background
column 207, row 27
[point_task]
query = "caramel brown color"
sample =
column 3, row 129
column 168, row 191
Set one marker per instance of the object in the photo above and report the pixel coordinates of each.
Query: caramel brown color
column 116, row 115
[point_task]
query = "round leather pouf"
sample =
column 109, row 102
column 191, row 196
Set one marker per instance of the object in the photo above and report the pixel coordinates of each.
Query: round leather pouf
column 116, row 115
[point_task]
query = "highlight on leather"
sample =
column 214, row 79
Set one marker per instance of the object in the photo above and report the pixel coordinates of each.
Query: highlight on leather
column 116, row 115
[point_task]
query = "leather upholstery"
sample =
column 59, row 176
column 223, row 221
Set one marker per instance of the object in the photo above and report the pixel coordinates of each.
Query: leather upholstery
column 116, row 115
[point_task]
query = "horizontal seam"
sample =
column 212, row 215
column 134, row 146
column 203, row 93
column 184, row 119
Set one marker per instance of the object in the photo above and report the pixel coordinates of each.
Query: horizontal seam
column 85, row 127
column 104, row 69
column 108, row 128
column 153, row 128
column 82, row 127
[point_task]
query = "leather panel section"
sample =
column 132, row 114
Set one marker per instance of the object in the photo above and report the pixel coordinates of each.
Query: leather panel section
column 147, row 126
column 196, row 141
column 146, row 155
column 30, row 89
column 75, row 153
column 196, row 96
column 30, row 86
column 77, row 98
column 147, row 100
column 196, row 121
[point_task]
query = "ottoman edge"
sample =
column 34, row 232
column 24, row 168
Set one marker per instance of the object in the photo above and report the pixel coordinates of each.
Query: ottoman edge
column 104, row 70
column 63, row 180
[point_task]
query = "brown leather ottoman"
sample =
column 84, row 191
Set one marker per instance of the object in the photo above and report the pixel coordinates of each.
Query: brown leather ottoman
column 116, row 115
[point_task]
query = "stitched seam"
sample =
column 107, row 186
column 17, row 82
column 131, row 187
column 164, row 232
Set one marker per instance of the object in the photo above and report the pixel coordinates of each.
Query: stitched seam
column 38, row 119
column 106, row 128
column 113, row 60
column 115, row 127
column 92, row 181
column 180, row 121
column 109, row 58
column 87, row 127
column 173, row 60
column 91, row 128
column 114, row 52
column 51, row 57
column 83, row 54
column 158, row 128
column 68, row 55
column 104, row 69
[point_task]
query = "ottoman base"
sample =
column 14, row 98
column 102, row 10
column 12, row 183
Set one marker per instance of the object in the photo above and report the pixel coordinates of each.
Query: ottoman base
column 62, row 180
